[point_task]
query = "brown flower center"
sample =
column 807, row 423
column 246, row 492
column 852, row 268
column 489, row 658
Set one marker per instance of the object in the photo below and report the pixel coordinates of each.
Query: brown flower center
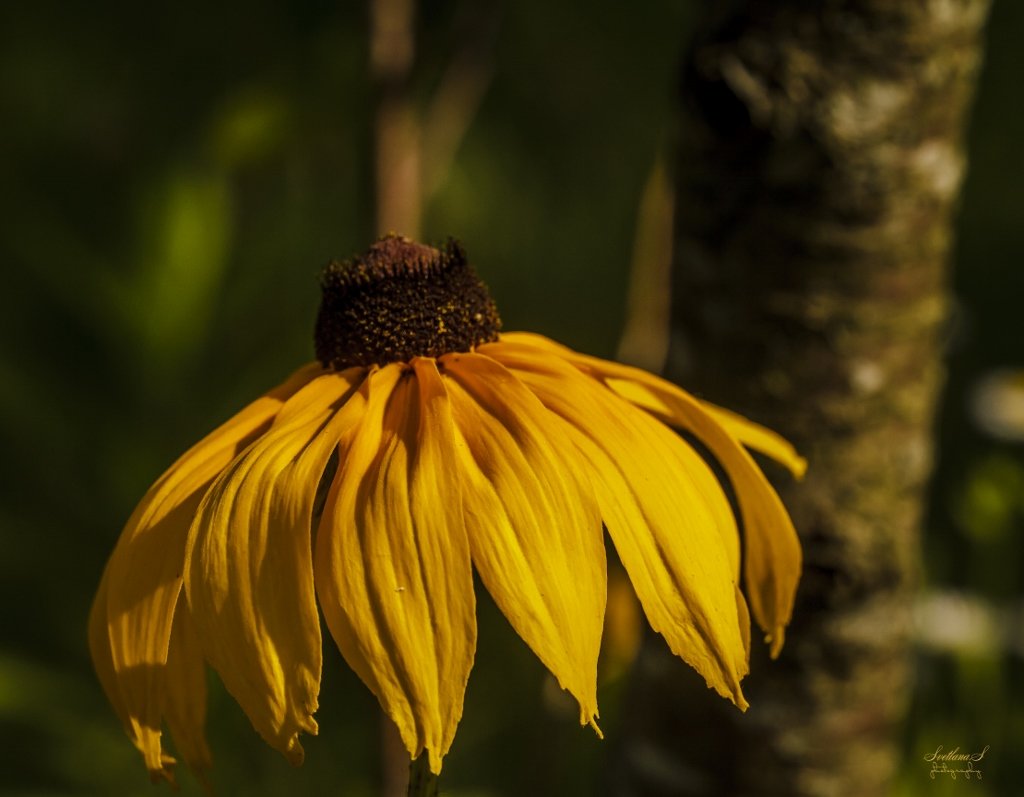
column 401, row 299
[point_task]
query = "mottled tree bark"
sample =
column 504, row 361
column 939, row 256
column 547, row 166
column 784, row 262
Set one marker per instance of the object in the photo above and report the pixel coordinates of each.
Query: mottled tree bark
column 819, row 163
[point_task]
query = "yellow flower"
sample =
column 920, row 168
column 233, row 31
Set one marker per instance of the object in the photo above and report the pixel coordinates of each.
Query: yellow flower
column 456, row 448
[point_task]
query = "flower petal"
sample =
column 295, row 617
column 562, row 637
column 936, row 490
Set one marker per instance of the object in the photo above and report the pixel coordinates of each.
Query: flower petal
column 145, row 737
column 534, row 529
column 750, row 434
column 248, row 565
column 772, row 555
column 143, row 576
column 185, row 700
column 548, row 372
column 393, row 567
column 643, row 389
column 665, row 511
column 757, row 437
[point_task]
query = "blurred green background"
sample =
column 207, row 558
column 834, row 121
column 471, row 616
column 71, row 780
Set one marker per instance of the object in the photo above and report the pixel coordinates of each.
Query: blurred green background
column 174, row 176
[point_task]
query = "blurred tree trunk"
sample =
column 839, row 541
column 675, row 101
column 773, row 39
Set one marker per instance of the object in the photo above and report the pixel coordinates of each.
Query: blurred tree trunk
column 819, row 163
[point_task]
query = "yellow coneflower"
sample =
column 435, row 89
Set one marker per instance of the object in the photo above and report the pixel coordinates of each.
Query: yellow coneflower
column 456, row 448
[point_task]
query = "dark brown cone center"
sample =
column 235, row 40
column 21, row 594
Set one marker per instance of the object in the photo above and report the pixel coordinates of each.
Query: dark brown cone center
column 401, row 299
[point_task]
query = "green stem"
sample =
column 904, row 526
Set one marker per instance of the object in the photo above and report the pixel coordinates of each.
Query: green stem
column 422, row 782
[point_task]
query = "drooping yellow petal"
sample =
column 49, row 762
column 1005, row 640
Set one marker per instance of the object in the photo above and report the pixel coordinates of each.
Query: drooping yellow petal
column 249, row 568
column 393, row 566
column 750, row 434
column 185, row 698
column 143, row 576
column 537, row 342
column 664, row 510
column 772, row 555
column 757, row 437
column 144, row 737
column 533, row 524
column 636, row 390
column 549, row 373
column 249, row 571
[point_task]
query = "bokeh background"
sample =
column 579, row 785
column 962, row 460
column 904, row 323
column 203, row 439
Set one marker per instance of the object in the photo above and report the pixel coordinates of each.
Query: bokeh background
column 174, row 176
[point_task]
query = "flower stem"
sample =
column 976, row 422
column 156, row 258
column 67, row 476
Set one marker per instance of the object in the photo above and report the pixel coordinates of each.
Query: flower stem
column 422, row 782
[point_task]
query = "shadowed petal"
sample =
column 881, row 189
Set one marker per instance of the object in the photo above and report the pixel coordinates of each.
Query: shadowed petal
column 248, row 565
column 143, row 577
column 743, row 612
column 185, row 700
column 534, row 529
column 145, row 737
column 393, row 567
column 664, row 510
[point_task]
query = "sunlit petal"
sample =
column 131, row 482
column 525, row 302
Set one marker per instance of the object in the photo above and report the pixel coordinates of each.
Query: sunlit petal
column 393, row 565
column 550, row 376
column 664, row 510
column 643, row 389
column 248, row 568
column 143, row 577
column 772, row 555
column 534, row 528
column 645, row 394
